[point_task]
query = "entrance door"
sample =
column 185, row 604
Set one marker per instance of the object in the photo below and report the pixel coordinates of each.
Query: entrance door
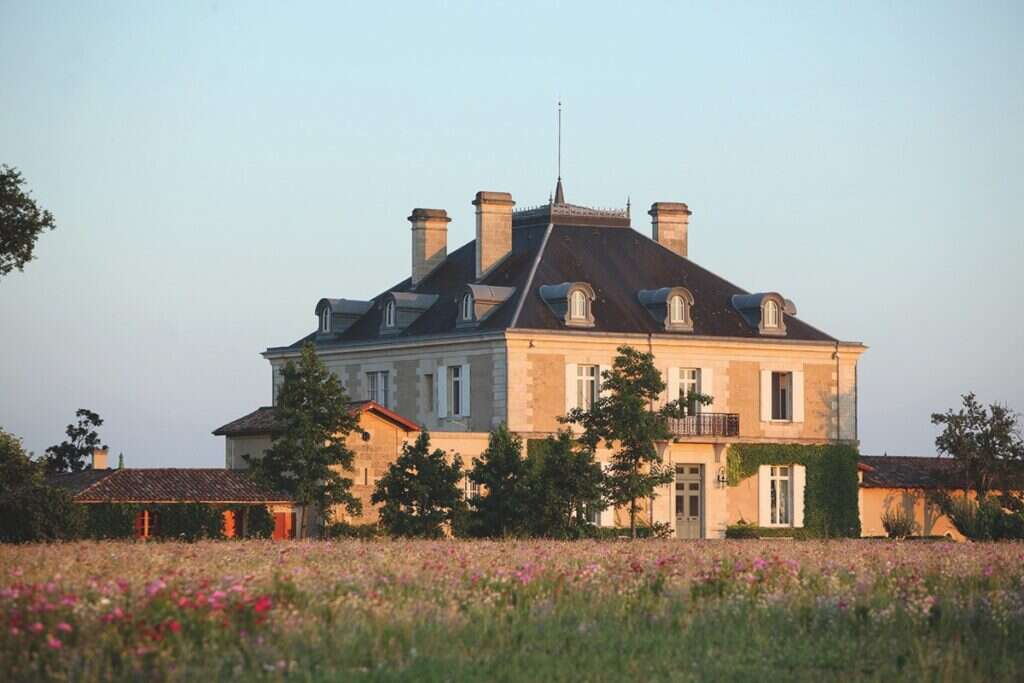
column 689, row 501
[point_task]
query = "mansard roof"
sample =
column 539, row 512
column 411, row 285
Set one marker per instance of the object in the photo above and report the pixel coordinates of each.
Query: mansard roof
column 557, row 243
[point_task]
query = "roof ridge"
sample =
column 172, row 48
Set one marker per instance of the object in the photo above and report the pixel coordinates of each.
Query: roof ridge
column 529, row 280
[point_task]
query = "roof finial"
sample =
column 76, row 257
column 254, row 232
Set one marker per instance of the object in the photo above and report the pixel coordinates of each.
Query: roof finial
column 628, row 205
column 559, row 193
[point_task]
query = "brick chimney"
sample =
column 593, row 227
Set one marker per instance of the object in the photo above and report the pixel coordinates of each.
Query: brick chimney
column 493, row 229
column 429, row 241
column 99, row 458
column 669, row 224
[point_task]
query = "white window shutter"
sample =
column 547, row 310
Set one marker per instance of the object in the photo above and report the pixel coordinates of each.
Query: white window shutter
column 570, row 386
column 465, row 390
column 601, row 369
column 441, row 389
column 707, row 386
column 673, row 385
column 799, row 483
column 798, row 397
column 764, row 496
column 766, row 395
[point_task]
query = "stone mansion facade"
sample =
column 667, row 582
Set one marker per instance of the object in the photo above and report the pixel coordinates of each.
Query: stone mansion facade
column 516, row 327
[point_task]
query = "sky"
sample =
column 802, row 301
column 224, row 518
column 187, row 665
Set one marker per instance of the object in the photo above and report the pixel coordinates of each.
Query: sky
column 215, row 168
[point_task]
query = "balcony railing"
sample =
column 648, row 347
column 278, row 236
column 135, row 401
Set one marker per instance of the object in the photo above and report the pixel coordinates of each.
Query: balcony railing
column 706, row 424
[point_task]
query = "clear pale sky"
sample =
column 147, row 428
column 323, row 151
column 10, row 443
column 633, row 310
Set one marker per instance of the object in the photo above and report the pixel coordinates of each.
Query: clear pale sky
column 215, row 168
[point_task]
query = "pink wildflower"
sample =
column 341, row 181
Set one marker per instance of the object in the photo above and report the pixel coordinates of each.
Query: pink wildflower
column 263, row 604
column 54, row 643
column 36, row 627
column 64, row 627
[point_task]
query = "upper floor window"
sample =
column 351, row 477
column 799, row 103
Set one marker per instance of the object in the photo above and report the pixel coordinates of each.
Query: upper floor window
column 578, row 305
column 325, row 319
column 689, row 384
column 771, row 314
column 588, row 386
column 389, row 314
column 467, row 307
column 677, row 310
column 455, row 380
column 782, row 395
column 377, row 387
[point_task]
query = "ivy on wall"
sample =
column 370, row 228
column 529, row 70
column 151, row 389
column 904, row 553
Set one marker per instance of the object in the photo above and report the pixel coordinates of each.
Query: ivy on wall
column 830, row 496
column 174, row 521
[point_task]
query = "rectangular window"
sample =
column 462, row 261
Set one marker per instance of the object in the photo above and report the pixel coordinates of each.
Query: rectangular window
column 689, row 383
column 429, row 381
column 780, row 498
column 377, row 387
column 472, row 488
column 455, row 390
column 588, row 384
column 782, row 395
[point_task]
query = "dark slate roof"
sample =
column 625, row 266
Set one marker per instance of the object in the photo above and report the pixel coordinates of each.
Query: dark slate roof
column 169, row 485
column 263, row 421
column 909, row 472
column 597, row 247
column 75, row 482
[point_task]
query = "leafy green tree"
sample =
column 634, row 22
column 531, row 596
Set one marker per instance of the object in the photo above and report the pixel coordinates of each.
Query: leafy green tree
column 623, row 419
column 21, row 221
column 501, row 507
column 72, row 454
column 420, row 491
column 562, row 485
column 31, row 510
column 310, row 453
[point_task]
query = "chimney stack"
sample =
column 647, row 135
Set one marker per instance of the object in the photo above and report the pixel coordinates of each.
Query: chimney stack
column 99, row 458
column 429, row 241
column 493, row 229
column 670, row 222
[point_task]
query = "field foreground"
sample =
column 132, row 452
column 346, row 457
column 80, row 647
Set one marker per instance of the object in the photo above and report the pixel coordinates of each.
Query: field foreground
column 529, row 610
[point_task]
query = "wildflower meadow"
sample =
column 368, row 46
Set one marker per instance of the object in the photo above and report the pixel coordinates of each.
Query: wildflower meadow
column 512, row 610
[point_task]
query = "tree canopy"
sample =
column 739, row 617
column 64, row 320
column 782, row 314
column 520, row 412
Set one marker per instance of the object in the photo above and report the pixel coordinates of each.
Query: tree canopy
column 30, row 509
column 564, row 485
column 500, row 508
column 309, row 454
column 73, row 454
column 21, row 221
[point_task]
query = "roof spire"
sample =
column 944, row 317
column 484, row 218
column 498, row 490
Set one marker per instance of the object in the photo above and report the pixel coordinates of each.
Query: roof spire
column 559, row 193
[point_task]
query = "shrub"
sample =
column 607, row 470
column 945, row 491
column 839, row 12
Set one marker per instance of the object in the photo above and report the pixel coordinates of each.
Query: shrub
column 984, row 521
column 898, row 523
column 31, row 510
column 259, row 522
column 363, row 532
column 742, row 529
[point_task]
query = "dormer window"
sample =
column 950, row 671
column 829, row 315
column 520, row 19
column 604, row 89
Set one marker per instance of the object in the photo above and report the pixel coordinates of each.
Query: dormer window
column 670, row 306
column 389, row 314
column 578, row 307
column 325, row 320
column 771, row 315
column 572, row 302
column 467, row 307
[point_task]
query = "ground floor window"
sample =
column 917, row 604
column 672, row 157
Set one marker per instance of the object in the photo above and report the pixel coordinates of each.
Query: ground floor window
column 781, row 500
column 145, row 524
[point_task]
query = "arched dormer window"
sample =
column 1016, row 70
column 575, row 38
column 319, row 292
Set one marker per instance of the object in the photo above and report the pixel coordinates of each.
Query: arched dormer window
column 677, row 310
column 389, row 313
column 467, row 306
column 325, row 319
column 578, row 305
column 770, row 316
column 670, row 306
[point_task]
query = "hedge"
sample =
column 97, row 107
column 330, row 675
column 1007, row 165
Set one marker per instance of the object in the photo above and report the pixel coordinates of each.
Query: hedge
column 830, row 496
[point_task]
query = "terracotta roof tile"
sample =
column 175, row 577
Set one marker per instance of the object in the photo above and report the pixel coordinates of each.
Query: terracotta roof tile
column 170, row 485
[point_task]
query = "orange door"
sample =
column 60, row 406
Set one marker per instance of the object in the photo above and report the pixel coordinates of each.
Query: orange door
column 229, row 524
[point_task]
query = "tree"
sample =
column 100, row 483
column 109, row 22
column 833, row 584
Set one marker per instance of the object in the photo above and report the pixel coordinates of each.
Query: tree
column 309, row 454
column 562, row 486
column 420, row 491
column 501, row 508
column 624, row 420
column 30, row 509
column 72, row 454
column 21, row 221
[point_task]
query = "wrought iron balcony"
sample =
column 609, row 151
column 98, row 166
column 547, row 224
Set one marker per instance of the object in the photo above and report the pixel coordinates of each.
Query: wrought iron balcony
column 706, row 424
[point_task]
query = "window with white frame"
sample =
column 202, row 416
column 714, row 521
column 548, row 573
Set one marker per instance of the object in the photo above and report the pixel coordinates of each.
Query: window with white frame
column 377, row 387
column 472, row 488
column 677, row 310
column 389, row 314
column 325, row 319
column 771, row 314
column 578, row 305
column 467, row 307
column 780, row 485
column 689, row 383
column 782, row 395
column 588, row 385
column 455, row 380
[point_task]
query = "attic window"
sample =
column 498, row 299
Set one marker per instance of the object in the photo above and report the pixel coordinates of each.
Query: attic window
column 389, row 314
column 669, row 306
column 771, row 314
column 578, row 306
column 467, row 307
column 677, row 310
column 325, row 319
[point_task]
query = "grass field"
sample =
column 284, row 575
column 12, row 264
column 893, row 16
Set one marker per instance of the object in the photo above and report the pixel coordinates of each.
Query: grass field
column 530, row 610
